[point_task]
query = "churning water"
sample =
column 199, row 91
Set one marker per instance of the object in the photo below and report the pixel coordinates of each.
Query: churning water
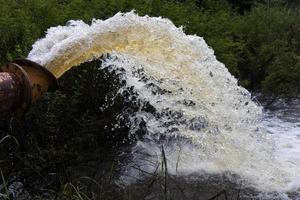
column 204, row 120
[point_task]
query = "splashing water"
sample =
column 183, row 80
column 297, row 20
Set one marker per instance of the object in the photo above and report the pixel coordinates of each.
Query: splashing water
column 206, row 122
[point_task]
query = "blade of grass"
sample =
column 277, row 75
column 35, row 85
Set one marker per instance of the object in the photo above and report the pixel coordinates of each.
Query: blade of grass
column 165, row 169
column 5, row 185
column 8, row 137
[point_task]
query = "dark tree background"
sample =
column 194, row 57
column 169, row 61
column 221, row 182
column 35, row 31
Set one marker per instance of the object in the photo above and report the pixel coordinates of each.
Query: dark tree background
column 258, row 40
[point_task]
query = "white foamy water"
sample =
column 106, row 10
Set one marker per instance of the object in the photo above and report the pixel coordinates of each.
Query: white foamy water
column 283, row 122
column 205, row 121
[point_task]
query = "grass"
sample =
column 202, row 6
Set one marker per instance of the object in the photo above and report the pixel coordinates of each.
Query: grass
column 156, row 185
column 9, row 137
column 71, row 191
column 4, row 181
column 223, row 192
column 7, row 194
column 164, row 167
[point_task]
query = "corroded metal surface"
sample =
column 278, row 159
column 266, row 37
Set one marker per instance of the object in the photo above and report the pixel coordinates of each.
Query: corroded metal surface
column 21, row 82
column 9, row 92
column 41, row 79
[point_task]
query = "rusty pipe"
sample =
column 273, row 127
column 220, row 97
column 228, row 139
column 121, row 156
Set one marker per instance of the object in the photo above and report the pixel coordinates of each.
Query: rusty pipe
column 21, row 83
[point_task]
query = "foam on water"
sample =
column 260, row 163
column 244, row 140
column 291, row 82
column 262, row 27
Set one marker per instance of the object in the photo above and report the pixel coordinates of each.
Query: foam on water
column 283, row 122
column 203, row 118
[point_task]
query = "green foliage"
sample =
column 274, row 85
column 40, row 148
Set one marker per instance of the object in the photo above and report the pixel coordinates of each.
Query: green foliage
column 85, row 112
column 248, row 36
column 269, row 58
column 81, row 125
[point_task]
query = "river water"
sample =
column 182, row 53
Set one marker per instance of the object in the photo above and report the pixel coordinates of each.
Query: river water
column 282, row 121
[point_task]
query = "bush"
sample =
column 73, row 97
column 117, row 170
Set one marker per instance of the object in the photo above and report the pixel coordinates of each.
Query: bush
column 248, row 36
